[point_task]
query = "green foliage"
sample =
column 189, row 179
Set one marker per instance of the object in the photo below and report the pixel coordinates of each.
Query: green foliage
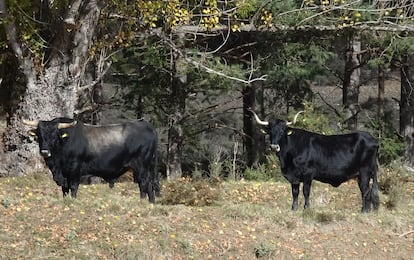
column 391, row 146
column 265, row 172
column 264, row 249
column 291, row 67
column 312, row 119
column 256, row 174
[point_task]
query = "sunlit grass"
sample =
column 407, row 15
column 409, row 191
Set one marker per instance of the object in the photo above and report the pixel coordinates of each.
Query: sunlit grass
column 241, row 220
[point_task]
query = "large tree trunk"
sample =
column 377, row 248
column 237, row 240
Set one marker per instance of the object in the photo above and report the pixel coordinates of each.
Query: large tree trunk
column 175, row 128
column 407, row 107
column 254, row 141
column 381, row 99
column 50, row 89
column 350, row 95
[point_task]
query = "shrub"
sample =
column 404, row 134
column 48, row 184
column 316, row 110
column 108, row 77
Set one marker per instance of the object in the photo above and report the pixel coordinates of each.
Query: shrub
column 200, row 192
column 391, row 183
column 391, row 146
column 264, row 172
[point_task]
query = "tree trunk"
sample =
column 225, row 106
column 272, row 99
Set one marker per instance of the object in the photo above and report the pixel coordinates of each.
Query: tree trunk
column 350, row 91
column 174, row 147
column 50, row 89
column 175, row 129
column 381, row 99
column 407, row 108
column 254, row 141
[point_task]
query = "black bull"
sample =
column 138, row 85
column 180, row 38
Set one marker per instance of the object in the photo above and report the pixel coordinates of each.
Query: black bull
column 72, row 149
column 334, row 159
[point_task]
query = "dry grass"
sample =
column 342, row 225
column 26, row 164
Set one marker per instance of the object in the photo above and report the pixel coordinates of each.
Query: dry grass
column 246, row 220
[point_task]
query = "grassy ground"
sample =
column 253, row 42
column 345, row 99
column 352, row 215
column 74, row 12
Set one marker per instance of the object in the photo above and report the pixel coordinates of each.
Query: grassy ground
column 243, row 220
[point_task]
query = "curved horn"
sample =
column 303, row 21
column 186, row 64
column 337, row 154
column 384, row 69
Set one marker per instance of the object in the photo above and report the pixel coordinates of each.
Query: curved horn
column 66, row 125
column 295, row 118
column 260, row 122
column 33, row 123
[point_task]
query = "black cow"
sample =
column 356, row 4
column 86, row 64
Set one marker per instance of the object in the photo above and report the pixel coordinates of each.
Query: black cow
column 72, row 149
column 334, row 159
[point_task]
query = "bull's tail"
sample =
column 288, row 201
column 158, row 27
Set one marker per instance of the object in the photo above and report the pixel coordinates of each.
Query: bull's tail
column 374, row 192
column 374, row 189
column 155, row 176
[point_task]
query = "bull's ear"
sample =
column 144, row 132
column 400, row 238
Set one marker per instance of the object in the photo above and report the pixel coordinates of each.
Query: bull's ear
column 32, row 132
column 64, row 135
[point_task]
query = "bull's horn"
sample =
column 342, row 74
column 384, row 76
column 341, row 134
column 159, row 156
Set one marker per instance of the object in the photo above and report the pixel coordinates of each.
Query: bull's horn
column 295, row 118
column 30, row 122
column 260, row 122
column 66, row 125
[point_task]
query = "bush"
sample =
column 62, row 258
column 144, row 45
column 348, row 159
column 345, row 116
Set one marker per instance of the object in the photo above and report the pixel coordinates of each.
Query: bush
column 391, row 183
column 265, row 172
column 391, row 146
column 200, row 192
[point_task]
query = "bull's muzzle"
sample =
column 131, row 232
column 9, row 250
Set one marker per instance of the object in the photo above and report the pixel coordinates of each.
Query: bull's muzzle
column 275, row 147
column 45, row 153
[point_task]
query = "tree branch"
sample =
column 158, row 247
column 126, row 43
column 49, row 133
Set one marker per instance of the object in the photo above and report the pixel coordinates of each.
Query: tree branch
column 198, row 64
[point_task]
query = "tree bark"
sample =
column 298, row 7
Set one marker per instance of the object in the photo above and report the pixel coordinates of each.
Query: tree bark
column 175, row 128
column 50, row 89
column 407, row 107
column 381, row 99
column 254, row 141
column 350, row 90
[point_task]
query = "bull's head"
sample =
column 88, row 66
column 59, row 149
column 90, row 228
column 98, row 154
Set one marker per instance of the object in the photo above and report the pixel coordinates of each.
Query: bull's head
column 276, row 129
column 49, row 134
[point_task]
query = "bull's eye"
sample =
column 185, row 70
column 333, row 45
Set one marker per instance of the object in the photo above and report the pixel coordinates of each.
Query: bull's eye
column 64, row 135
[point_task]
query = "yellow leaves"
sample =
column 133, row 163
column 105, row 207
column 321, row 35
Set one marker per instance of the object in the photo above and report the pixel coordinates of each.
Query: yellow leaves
column 210, row 19
column 164, row 13
column 266, row 18
column 325, row 2
column 176, row 14
column 350, row 19
column 309, row 2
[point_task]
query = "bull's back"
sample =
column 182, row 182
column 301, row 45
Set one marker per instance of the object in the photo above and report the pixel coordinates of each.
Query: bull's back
column 335, row 159
column 129, row 136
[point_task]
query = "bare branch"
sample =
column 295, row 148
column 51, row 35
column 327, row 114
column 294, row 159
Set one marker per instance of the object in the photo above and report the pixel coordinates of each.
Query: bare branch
column 329, row 105
column 97, row 80
column 198, row 64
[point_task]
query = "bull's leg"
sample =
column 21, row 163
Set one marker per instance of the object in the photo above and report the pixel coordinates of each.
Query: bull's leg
column 306, row 192
column 142, row 189
column 363, row 183
column 151, row 193
column 141, row 176
column 74, row 188
column 295, row 194
column 65, row 191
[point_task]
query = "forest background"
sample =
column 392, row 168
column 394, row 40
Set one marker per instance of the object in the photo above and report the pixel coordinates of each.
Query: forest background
column 194, row 68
